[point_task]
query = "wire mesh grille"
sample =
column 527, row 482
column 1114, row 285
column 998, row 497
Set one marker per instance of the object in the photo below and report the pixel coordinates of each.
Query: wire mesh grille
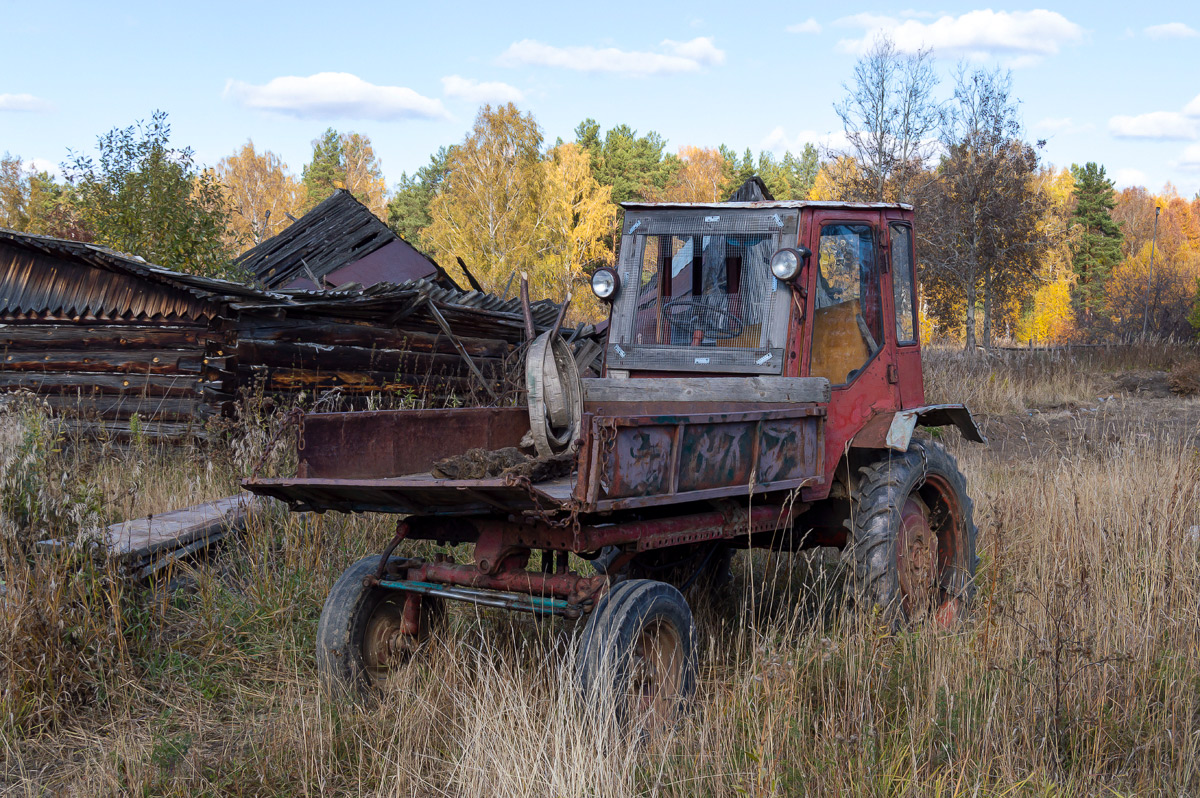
column 703, row 296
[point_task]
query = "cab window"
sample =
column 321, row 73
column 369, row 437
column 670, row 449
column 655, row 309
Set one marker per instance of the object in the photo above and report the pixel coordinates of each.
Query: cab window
column 902, row 283
column 848, row 315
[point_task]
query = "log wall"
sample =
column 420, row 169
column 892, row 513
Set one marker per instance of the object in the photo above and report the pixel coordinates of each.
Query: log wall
column 178, row 375
column 107, row 370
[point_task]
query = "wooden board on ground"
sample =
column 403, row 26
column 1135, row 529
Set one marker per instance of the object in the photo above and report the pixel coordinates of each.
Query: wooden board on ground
column 141, row 538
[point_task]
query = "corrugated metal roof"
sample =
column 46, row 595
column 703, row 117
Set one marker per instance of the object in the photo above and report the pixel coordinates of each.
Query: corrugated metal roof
column 103, row 283
column 338, row 231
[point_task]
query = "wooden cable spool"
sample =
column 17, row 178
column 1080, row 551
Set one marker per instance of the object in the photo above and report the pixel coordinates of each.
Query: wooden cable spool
column 555, row 396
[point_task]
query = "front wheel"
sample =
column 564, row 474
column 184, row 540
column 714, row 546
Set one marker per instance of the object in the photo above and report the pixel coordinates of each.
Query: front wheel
column 913, row 535
column 637, row 656
column 363, row 633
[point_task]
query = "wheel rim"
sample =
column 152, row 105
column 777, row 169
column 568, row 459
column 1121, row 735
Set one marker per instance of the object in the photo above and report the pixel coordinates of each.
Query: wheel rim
column 916, row 557
column 385, row 642
column 928, row 553
column 656, row 673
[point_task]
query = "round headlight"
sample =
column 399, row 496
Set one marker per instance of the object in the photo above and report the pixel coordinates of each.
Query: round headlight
column 785, row 264
column 605, row 283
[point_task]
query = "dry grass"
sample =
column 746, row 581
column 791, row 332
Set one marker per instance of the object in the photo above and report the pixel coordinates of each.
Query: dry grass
column 1014, row 381
column 1078, row 674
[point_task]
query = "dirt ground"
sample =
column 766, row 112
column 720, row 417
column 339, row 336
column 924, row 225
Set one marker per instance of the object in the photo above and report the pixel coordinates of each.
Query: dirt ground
column 1139, row 406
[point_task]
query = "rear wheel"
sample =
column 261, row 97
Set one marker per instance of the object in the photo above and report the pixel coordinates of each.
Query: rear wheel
column 363, row 633
column 913, row 535
column 706, row 566
column 637, row 656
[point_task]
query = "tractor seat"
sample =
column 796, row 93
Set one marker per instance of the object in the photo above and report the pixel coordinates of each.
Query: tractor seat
column 842, row 342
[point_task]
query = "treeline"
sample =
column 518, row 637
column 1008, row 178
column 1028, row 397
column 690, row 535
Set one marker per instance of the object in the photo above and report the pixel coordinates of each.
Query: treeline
column 1010, row 248
column 501, row 199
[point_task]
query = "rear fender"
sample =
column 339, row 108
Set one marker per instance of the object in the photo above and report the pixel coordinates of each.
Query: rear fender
column 894, row 430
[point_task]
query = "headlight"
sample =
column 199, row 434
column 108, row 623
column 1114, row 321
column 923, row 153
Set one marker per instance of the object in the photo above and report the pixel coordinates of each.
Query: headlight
column 786, row 263
column 605, row 283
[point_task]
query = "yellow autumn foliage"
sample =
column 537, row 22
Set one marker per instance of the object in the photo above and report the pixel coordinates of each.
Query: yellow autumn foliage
column 1050, row 319
column 575, row 217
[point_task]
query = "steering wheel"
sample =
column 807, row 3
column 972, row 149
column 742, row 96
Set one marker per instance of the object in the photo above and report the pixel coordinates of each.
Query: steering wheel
column 689, row 313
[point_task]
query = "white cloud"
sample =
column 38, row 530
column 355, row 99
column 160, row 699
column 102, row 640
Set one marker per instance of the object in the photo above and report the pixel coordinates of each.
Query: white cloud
column 779, row 142
column 809, row 25
column 1190, row 160
column 1024, row 37
column 701, row 50
column 1171, row 30
column 473, row 91
column 23, row 102
column 1162, row 125
column 1125, row 178
column 679, row 57
column 1063, row 124
column 330, row 95
column 36, row 165
column 1193, row 108
column 867, row 20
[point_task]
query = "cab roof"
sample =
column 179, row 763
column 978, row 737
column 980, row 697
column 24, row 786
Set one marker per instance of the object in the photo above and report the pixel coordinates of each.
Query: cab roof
column 766, row 205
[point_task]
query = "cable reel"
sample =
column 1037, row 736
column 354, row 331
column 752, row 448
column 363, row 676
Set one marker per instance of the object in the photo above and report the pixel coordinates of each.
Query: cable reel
column 555, row 396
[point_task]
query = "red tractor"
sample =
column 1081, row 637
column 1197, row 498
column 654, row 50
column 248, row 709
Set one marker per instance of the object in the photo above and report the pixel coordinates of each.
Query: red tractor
column 760, row 388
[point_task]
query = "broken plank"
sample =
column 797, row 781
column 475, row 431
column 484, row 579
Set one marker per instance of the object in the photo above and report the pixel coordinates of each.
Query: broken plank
column 166, row 532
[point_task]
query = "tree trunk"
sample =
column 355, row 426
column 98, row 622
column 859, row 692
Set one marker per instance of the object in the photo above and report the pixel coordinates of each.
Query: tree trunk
column 972, row 275
column 987, row 310
column 970, row 345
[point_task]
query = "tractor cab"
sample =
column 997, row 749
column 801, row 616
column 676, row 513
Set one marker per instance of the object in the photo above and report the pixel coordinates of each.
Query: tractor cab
column 783, row 288
column 772, row 289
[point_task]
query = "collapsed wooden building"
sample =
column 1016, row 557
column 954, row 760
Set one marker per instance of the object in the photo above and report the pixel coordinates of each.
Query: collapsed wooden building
column 107, row 336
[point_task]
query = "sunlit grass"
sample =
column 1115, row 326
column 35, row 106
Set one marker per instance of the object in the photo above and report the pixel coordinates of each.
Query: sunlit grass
column 1079, row 672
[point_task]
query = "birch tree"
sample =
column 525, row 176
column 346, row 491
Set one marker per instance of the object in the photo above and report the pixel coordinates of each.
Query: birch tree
column 983, row 245
column 890, row 119
column 487, row 211
column 260, row 192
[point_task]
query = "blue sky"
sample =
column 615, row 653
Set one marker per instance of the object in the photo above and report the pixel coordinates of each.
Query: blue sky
column 1114, row 83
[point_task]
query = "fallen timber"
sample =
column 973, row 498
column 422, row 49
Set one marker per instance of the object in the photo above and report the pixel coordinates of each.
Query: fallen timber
column 104, row 337
column 148, row 545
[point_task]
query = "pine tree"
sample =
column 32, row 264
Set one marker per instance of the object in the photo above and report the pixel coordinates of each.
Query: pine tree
column 635, row 166
column 408, row 210
column 326, row 172
column 1097, row 247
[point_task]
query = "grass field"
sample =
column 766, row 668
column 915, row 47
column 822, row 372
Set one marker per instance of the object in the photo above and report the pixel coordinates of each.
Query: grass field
column 1078, row 672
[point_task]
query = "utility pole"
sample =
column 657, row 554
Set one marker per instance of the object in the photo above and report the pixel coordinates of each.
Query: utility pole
column 1150, row 279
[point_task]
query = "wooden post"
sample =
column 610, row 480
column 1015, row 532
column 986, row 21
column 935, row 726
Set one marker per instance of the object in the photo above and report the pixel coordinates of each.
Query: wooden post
column 530, row 330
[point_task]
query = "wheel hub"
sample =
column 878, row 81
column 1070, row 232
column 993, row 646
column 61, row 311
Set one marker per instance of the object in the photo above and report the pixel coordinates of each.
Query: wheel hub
column 917, row 558
column 386, row 643
column 656, row 673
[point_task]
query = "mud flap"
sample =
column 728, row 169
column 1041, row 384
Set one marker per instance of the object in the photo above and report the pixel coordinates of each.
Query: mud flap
column 895, row 430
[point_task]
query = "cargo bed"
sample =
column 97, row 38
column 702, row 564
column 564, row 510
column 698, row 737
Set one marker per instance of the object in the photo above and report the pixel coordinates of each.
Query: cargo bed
column 637, row 449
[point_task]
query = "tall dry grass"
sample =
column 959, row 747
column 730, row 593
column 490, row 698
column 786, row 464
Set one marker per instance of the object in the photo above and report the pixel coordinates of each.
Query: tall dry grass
column 1078, row 673
column 1014, row 381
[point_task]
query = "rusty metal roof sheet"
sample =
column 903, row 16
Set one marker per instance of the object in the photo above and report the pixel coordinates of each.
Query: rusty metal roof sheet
column 337, row 232
column 44, row 277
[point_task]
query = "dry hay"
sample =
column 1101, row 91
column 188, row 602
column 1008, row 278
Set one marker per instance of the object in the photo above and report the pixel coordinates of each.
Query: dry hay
column 1185, row 377
column 507, row 462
